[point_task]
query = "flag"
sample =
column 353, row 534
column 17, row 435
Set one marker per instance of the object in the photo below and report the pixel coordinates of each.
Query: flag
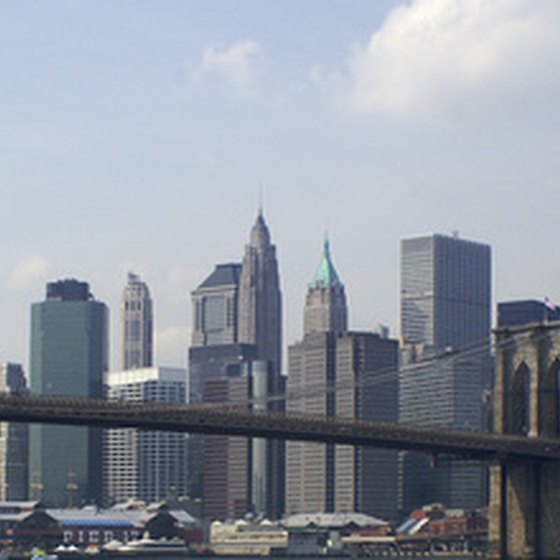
column 550, row 304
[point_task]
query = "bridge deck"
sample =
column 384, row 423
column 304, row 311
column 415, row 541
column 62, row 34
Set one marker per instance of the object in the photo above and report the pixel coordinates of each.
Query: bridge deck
column 231, row 420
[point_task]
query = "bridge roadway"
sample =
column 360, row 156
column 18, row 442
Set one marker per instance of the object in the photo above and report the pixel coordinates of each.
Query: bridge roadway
column 238, row 421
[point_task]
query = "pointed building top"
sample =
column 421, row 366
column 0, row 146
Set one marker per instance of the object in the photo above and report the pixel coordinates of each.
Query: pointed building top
column 260, row 236
column 133, row 278
column 325, row 274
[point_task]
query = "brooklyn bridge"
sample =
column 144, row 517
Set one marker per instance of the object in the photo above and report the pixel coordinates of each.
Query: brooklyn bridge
column 232, row 420
column 524, row 456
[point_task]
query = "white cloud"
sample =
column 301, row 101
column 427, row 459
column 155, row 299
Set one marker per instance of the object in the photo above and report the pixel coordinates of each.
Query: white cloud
column 27, row 271
column 435, row 57
column 236, row 65
column 171, row 346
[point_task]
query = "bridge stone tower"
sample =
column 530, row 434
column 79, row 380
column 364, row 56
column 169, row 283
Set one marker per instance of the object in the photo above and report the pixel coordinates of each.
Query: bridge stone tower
column 525, row 496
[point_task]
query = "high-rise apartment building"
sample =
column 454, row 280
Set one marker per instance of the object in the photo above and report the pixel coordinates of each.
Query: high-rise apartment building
column 149, row 466
column 14, row 440
column 260, row 298
column 335, row 372
column 446, row 367
column 136, row 324
column 69, row 354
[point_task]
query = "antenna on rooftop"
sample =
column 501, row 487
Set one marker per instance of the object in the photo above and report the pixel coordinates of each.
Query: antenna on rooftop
column 261, row 197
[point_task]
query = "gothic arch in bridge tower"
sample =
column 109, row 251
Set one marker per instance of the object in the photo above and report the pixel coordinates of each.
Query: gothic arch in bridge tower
column 550, row 399
column 519, row 402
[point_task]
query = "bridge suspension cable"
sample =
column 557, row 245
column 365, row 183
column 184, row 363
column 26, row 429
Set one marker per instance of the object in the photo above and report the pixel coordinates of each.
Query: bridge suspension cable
column 382, row 376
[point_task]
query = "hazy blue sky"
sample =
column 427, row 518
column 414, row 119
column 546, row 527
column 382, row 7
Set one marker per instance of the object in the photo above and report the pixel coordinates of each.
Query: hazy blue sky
column 135, row 135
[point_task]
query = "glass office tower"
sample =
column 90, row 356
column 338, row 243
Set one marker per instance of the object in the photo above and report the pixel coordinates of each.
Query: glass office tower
column 69, row 343
column 445, row 362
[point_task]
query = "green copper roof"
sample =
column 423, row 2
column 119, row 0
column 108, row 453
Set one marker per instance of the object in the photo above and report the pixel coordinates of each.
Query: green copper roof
column 326, row 274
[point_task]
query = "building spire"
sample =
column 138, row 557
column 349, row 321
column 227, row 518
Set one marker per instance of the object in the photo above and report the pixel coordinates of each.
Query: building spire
column 325, row 304
column 260, row 236
column 261, row 199
column 260, row 297
column 325, row 275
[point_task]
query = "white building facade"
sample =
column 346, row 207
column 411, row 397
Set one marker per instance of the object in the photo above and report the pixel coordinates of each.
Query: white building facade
column 150, row 466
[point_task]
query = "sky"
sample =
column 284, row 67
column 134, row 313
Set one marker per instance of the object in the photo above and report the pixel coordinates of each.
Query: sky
column 143, row 136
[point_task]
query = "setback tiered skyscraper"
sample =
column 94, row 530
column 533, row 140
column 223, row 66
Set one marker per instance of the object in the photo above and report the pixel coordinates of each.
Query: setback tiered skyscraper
column 136, row 324
column 260, row 298
column 14, row 440
column 335, row 372
column 69, row 351
column 445, row 311
column 236, row 343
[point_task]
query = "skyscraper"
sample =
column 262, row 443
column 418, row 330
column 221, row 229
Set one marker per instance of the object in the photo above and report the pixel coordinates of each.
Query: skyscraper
column 260, row 298
column 69, row 349
column 145, row 465
column 325, row 304
column 335, row 372
column 242, row 474
column 214, row 344
column 525, row 312
column 14, row 438
column 236, row 333
column 445, row 310
column 136, row 324
column 215, row 352
column 445, row 292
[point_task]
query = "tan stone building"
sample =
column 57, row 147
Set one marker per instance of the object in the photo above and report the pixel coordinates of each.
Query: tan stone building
column 335, row 372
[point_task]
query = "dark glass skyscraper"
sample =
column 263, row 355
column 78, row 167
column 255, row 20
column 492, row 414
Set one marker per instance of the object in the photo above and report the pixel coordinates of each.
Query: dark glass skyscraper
column 445, row 310
column 69, row 350
column 525, row 312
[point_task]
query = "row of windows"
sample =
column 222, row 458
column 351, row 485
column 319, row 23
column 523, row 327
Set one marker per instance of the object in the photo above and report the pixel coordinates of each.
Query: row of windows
column 136, row 305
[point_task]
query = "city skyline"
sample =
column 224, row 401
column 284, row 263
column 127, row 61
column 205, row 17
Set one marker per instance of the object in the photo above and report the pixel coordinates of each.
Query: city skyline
column 163, row 120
